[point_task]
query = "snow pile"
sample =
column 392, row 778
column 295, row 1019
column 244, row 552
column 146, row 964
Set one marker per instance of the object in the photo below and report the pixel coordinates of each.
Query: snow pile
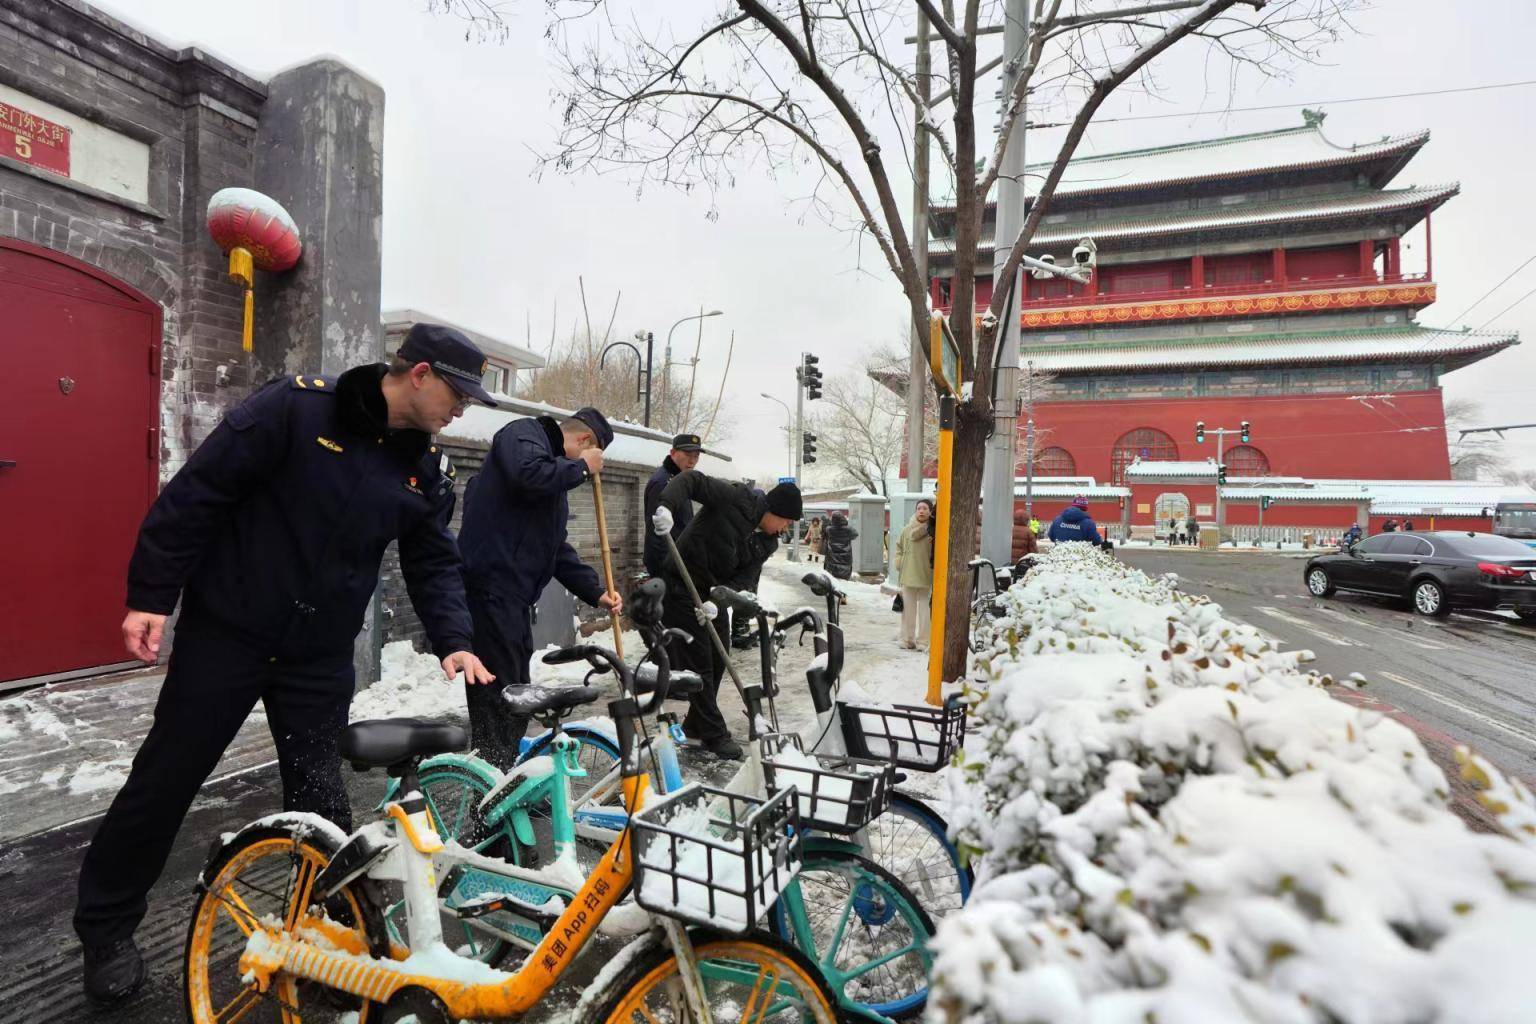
column 1175, row 822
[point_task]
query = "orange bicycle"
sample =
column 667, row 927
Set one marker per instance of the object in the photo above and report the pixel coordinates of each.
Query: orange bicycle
column 288, row 926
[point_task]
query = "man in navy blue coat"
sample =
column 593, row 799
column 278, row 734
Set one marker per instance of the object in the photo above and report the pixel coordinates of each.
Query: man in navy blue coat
column 1074, row 523
column 686, row 449
column 514, row 542
column 271, row 537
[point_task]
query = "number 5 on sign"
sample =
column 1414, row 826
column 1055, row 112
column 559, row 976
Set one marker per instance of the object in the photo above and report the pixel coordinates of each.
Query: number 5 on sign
column 23, row 147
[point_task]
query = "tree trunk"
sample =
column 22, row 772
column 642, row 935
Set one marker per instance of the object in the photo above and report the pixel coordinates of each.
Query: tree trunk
column 971, row 427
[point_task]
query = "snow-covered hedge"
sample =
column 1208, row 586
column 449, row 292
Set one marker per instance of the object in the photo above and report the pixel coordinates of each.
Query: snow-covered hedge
column 1174, row 822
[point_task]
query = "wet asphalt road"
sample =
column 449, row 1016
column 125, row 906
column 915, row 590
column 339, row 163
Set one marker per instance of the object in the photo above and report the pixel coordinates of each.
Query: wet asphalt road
column 1468, row 678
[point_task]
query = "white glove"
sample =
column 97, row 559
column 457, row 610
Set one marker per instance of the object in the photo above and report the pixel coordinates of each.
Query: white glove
column 661, row 521
column 707, row 613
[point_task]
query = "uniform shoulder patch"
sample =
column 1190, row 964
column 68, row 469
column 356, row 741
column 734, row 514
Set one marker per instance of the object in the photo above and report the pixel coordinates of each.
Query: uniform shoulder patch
column 312, row 382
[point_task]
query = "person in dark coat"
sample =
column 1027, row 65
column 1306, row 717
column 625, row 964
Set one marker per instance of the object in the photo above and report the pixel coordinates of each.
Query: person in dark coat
column 686, row 449
column 270, row 537
column 1074, row 523
column 514, row 542
column 729, row 537
column 837, row 542
column 1390, row 526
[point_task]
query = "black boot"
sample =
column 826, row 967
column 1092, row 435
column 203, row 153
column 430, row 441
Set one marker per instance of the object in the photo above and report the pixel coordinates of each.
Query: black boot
column 725, row 748
column 113, row 972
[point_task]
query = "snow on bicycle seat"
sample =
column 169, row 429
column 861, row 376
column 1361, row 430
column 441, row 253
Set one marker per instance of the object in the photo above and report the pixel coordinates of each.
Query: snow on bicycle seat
column 533, row 699
column 680, row 681
column 384, row 742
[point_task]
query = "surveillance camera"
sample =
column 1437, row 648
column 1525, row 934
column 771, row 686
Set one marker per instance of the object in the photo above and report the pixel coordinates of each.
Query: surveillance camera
column 1086, row 254
column 1044, row 275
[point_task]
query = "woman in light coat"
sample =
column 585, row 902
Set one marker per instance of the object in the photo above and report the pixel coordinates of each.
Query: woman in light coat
column 914, row 567
column 813, row 539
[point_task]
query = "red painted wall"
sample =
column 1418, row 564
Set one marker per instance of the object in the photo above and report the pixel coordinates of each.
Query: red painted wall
column 1311, row 436
column 1309, row 514
column 1479, row 524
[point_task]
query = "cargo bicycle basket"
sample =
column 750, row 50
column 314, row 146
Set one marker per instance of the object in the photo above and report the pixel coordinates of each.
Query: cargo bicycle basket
column 714, row 858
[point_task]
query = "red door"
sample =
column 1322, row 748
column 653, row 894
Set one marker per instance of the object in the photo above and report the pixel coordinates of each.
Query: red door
column 79, row 455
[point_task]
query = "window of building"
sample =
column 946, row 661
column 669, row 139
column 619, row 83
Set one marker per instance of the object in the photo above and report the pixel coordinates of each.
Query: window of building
column 1144, row 278
column 1243, row 268
column 498, row 378
column 1246, row 460
column 1145, row 443
column 1055, row 461
column 1322, row 264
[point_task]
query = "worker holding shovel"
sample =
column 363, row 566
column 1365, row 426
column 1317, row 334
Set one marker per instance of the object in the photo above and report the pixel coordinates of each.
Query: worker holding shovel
column 513, row 542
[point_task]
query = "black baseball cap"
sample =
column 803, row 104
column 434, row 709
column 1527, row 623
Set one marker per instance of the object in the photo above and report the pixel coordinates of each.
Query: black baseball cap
column 451, row 355
column 598, row 423
column 687, row 443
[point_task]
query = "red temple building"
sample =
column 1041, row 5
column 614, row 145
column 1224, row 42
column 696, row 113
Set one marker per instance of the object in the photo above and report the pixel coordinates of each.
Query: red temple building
column 1262, row 277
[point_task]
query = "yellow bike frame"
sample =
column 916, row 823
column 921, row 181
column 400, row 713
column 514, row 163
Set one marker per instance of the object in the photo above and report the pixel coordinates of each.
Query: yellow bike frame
column 294, row 952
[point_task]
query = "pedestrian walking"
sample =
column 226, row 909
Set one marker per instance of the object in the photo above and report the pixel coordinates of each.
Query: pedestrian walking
column 813, row 538
column 270, row 537
column 1173, row 531
column 1074, row 523
column 514, row 543
column 838, row 542
column 1191, row 531
column 1407, row 524
column 719, row 546
column 914, row 568
column 686, row 449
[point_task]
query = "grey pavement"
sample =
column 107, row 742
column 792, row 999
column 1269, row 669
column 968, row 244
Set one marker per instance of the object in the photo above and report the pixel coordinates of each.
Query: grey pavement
column 1468, row 678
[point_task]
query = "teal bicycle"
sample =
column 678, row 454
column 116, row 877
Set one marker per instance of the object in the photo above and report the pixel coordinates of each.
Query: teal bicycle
column 863, row 926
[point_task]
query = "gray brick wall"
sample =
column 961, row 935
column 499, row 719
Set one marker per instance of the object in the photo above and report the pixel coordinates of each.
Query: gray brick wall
column 198, row 118
column 623, row 490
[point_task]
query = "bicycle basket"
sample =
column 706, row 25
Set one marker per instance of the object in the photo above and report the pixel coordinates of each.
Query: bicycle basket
column 715, row 858
column 834, row 792
column 912, row 736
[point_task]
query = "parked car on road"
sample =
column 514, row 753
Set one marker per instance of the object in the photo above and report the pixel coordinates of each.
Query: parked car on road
column 1434, row 571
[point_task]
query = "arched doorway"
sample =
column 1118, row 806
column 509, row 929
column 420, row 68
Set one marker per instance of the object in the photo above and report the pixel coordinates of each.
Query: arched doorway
column 1246, row 460
column 1145, row 443
column 82, row 350
column 1170, row 511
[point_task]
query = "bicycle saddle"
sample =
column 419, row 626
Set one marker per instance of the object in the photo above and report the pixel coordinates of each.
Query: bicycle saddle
column 645, row 601
column 820, row 583
column 741, row 604
column 680, row 682
column 384, row 742
column 534, row 700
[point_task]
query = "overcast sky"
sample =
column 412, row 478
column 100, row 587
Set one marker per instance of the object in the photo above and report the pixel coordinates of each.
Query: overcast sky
column 470, row 236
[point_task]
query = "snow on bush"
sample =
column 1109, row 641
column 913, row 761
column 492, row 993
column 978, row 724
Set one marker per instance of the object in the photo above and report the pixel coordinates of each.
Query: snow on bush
column 1174, row 822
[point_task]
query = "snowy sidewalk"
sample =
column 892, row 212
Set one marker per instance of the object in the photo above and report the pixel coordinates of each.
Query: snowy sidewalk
column 65, row 749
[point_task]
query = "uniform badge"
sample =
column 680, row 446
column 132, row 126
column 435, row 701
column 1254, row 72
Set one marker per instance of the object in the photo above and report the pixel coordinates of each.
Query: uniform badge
column 410, row 485
column 442, row 463
column 328, row 444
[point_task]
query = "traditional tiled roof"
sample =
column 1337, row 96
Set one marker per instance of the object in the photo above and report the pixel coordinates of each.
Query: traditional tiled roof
column 1416, row 344
column 1051, row 489
column 1391, row 497
column 1256, row 152
column 1289, row 211
column 1171, row 468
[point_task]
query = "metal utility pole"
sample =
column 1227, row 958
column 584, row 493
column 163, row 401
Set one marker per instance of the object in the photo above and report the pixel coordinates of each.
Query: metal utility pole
column 917, row 368
column 998, row 473
column 1243, row 432
column 789, row 433
column 798, row 451
column 666, row 359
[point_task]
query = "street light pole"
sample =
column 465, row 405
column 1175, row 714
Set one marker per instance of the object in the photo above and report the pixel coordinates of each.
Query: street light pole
column 789, row 432
column 666, row 362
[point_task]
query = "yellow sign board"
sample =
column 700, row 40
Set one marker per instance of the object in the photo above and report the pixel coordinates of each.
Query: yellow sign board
column 1142, row 506
column 943, row 355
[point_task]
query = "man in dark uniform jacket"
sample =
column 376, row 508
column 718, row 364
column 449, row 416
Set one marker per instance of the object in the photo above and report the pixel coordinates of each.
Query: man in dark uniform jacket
column 684, row 455
column 271, row 536
column 514, row 542
column 717, row 548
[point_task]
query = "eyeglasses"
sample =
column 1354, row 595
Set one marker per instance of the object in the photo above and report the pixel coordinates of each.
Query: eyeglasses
column 463, row 399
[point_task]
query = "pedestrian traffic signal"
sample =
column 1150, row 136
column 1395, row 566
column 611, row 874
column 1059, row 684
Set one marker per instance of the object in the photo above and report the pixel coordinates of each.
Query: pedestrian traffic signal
column 810, row 376
column 1221, row 473
column 1200, row 432
column 1245, row 431
column 808, row 448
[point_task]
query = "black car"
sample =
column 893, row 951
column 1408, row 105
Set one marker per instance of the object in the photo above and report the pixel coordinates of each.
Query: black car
column 1434, row 571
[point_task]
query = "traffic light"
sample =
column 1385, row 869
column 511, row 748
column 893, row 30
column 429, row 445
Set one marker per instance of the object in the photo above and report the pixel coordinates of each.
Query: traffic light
column 1221, row 473
column 1265, row 501
column 1245, row 431
column 810, row 376
column 808, row 448
column 1200, row 432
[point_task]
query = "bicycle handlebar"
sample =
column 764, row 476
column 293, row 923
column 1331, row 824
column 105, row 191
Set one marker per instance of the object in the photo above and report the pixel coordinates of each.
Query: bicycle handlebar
column 821, row 584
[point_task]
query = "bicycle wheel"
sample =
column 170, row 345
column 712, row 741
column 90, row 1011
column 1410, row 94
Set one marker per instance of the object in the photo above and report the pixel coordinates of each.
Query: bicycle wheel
column 270, row 871
column 597, row 754
column 863, row 927
column 759, row 978
column 910, row 840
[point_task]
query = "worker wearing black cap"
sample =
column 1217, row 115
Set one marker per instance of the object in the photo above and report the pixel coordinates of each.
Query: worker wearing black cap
column 717, row 547
column 513, row 539
column 686, row 449
column 271, row 537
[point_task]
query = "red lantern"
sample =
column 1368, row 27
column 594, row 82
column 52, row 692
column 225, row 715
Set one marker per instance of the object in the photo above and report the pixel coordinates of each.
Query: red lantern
column 255, row 231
